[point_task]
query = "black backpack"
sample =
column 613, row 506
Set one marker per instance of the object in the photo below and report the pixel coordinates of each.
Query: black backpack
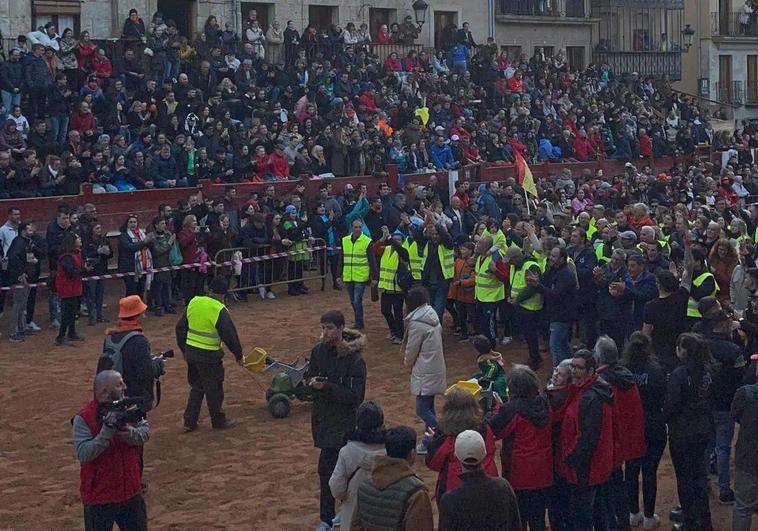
column 404, row 276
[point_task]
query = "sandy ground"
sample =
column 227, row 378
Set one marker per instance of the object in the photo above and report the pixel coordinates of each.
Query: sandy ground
column 260, row 475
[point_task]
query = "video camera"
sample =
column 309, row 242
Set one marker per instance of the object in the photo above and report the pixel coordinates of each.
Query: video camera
column 121, row 412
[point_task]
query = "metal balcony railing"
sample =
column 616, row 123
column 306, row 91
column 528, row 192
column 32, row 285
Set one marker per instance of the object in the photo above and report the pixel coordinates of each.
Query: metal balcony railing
column 751, row 94
column 734, row 25
column 731, row 92
column 542, row 8
column 655, row 64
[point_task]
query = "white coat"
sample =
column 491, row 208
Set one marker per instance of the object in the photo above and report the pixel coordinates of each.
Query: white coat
column 422, row 350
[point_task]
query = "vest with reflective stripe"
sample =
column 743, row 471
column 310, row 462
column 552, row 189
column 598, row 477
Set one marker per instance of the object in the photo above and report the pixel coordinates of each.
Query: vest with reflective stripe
column 388, row 270
column 518, row 283
column 417, row 260
column 202, row 314
column 447, row 261
column 599, row 250
column 692, row 310
column 355, row 259
column 488, row 287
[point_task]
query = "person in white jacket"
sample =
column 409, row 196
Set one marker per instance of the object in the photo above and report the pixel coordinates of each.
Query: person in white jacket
column 356, row 459
column 46, row 36
column 422, row 351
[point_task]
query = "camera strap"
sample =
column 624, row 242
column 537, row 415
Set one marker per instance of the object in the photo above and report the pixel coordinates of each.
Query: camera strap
column 157, row 392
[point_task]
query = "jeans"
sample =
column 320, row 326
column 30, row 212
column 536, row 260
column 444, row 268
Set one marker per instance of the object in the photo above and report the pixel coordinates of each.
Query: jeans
column 59, row 129
column 425, row 410
column 392, row 310
column 722, row 445
column 486, row 318
column 95, row 289
column 529, row 326
column 687, row 456
column 588, row 325
column 53, row 306
column 9, row 100
column 17, row 321
column 134, row 286
column 159, row 291
column 531, row 507
column 355, row 292
column 438, row 297
column 648, row 466
column 69, row 307
column 129, row 515
column 327, row 462
column 559, row 341
column 206, row 380
column 746, row 500
column 31, row 305
column 582, row 500
column 172, row 70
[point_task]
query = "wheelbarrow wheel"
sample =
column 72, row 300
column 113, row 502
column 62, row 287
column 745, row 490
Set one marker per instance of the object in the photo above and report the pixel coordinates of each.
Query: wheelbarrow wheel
column 279, row 405
column 269, row 394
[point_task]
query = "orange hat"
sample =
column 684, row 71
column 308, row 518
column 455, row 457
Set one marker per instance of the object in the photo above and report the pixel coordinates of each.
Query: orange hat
column 131, row 306
column 663, row 176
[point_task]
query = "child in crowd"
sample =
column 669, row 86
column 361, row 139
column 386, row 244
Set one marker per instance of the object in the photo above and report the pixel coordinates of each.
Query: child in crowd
column 461, row 291
column 22, row 124
column 491, row 367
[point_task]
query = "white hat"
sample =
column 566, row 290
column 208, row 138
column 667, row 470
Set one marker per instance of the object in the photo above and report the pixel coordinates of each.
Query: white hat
column 454, row 138
column 439, row 128
column 469, row 447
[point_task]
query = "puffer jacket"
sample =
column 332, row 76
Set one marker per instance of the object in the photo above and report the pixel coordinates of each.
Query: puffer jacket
column 422, row 350
column 354, row 465
column 11, row 75
column 36, row 72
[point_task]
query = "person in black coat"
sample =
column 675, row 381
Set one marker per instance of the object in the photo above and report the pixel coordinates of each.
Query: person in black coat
column 20, row 271
column 337, row 376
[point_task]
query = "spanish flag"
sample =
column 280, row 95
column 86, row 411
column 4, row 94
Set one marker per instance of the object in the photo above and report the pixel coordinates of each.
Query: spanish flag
column 525, row 177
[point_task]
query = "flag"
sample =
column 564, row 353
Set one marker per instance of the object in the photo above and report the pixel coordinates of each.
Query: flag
column 525, row 177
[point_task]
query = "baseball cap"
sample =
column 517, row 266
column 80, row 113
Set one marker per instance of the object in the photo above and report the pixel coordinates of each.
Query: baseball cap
column 469, row 447
column 439, row 128
column 628, row 235
column 454, row 138
column 290, row 209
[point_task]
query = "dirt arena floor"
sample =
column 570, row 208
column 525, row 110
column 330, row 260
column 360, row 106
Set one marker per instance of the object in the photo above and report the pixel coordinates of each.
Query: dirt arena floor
column 260, row 475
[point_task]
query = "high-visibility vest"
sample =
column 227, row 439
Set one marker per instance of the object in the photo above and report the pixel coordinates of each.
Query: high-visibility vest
column 447, row 261
column 518, row 284
column 599, row 254
column 417, row 260
column 202, row 315
column 296, row 246
column 692, row 310
column 355, row 258
column 488, row 287
column 388, row 270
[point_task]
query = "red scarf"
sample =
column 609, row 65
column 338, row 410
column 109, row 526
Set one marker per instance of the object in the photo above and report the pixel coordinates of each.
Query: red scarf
column 142, row 251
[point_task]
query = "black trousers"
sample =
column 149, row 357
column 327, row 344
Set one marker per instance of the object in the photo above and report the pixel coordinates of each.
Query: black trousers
column 531, row 507
column 129, row 515
column 692, row 481
column 559, row 505
column 191, row 282
column 465, row 311
column 529, row 323
column 327, row 461
column 205, row 380
column 332, row 260
column 611, row 504
column 647, row 465
column 69, row 307
column 392, row 310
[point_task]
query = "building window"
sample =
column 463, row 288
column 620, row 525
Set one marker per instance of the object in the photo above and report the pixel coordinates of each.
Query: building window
column 322, row 17
column 752, row 79
column 546, row 50
column 264, row 14
column 575, row 57
column 378, row 16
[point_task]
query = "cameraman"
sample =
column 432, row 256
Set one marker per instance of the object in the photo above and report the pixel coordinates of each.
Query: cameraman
column 110, row 460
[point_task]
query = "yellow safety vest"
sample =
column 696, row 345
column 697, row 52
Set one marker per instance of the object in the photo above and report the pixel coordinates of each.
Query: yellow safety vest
column 417, row 260
column 692, row 310
column 488, row 287
column 497, row 239
column 388, row 270
column 296, row 246
column 599, row 254
column 447, row 261
column 202, row 315
column 518, row 284
column 355, row 259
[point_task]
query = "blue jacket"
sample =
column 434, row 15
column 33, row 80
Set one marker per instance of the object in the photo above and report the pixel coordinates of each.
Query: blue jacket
column 488, row 206
column 547, row 151
column 458, row 54
column 442, row 157
column 641, row 291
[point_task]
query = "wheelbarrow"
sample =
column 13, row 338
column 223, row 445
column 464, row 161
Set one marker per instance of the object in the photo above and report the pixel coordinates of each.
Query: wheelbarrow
column 287, row 384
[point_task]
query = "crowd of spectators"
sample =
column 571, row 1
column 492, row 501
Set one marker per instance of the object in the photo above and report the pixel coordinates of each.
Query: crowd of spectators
column 254, row 105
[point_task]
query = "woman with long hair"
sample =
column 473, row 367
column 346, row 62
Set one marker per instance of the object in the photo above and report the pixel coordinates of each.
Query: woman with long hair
column 651, row 382
column 460, row 412
column 69, row 286
column 134, row 256
column 723, row 259
column 688, row 413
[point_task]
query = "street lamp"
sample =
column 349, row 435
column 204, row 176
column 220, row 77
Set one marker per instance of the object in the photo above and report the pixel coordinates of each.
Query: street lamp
column 419, row 9
column 687, row 34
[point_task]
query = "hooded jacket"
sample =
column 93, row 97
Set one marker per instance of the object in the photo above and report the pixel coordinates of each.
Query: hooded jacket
column 689, row 403
column 651, row 382
column 422, row 350
column 728, row 376
column 628, row 417
column 334, row 406
column 354, row 464
column 527, row 451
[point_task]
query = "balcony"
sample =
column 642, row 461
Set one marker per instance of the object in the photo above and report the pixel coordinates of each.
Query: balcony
column 751, row 94
column 729, row 26
column 542, row 9
column 654, row 64
column 731, row 92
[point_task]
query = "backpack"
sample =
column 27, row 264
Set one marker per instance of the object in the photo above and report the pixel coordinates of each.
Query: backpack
column 111, row 358
column 404, row 276
column 175, row 257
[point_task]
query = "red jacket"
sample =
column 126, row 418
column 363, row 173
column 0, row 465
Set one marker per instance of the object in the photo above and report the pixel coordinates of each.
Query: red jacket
column 515, row 85
column 583, row 149
column 393, row 64
column 527, row 452
column 82, row 122
column 279, row 166
column 441, row 458
column 585, row 450
column 188, row 245
column 628, row 416
column 646, row 146
column 114, row 476
column 103, row 69
column 69, row 286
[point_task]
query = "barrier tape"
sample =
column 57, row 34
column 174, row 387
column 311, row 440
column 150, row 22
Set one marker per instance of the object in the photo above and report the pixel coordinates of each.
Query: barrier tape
column 210, row 263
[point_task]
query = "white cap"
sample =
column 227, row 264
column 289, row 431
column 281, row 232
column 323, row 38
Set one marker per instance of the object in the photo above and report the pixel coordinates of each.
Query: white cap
column 439, row 128
column 469, row 447
column 454, row 138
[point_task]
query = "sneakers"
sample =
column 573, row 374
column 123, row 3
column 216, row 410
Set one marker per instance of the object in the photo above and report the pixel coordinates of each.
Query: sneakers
column 396, row 340
column 676, row 514
column 651, row 523
column 726, row 497
column 189, row 429
column 56, row 324
column 262, row 293
column 270, row 295
column 421, row 448
column 32, row 326
column 323, row 526
column 506, row 340
column 635, row 519
column 16, row 338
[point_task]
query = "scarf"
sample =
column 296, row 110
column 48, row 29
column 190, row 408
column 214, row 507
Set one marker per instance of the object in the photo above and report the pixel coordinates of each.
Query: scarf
column 143, row 260
column 124, row 325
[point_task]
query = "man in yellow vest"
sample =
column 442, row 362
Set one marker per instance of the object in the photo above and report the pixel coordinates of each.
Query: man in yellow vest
column 392, row 255
column 489, row 288
column 439, row 264
column 358, row 268
column 205, row 325
column 526, row 301
column 703, row 285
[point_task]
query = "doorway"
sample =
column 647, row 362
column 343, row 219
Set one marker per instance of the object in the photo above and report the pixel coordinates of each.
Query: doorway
column 182, row 13
column 378, row 16
column 725, row 79
column 264, row 14
column 443, row 23
column 322, row 17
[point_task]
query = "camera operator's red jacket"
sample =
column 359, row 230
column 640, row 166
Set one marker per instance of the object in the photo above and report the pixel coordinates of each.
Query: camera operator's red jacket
column 113, row 476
